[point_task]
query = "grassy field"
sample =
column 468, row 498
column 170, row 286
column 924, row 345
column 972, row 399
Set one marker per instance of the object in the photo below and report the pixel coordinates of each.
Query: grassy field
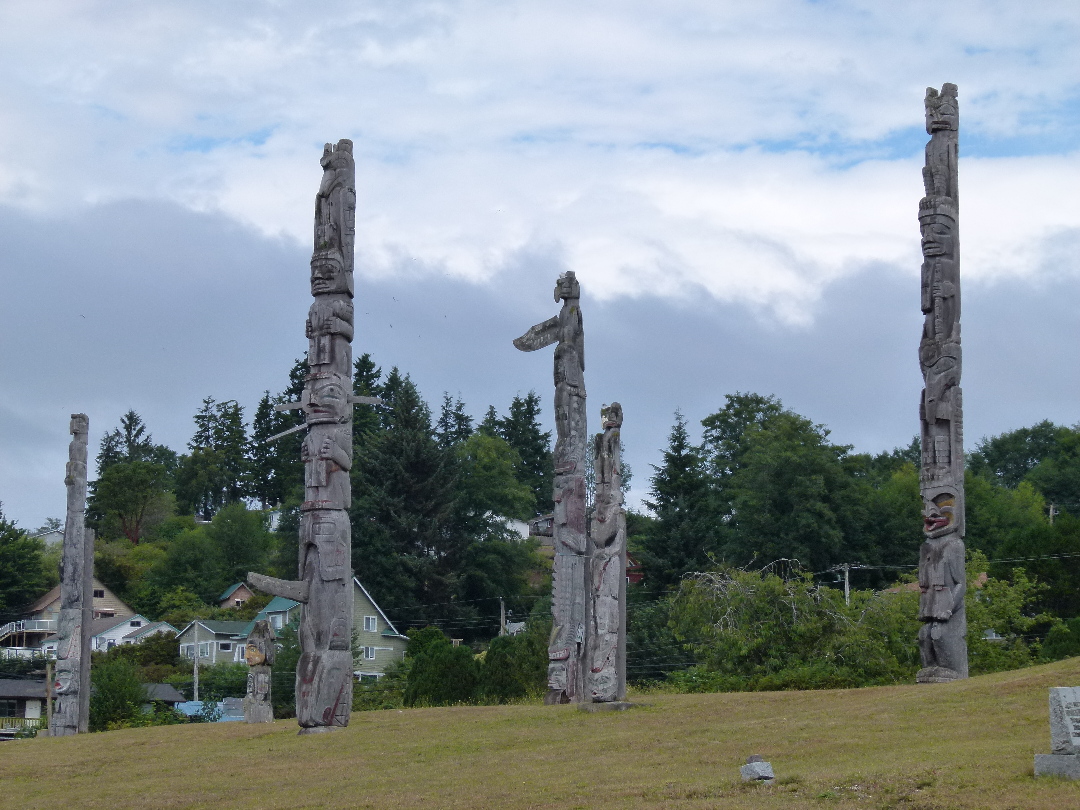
column 967, row 744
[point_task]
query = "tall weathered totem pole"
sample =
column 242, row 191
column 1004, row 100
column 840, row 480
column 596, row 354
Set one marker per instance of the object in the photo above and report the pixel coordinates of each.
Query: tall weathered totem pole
column 569, row 605
column 324, row 672
column 942, row 583
column 607, row 547
column 72, row 682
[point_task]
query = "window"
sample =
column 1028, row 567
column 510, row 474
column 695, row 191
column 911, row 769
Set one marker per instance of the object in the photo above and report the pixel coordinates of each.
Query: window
column 99, row 593
column 371, row 624
column 187, row 650
column 275, row 621
column 136, row 623
column 239, row 602
column 225, row 646
column 110, row 644
column 9, row 708
column 241, row 651
column 369, row 653
column 204, row 649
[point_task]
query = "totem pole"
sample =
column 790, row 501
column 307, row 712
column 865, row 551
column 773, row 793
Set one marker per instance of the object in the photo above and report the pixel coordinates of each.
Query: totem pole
column 324, row 672
column 942, row 583
column 607, row 547
column 569, row 605
column 259, row 653
column 72, row 680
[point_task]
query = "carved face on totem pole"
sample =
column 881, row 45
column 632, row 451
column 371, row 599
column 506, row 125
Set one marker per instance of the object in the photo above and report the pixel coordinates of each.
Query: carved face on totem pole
column 328, row 274
column 611, row 415
column 942, row 110
column 79, row 424
column 65, row 681
column 937, row 229
column 939, row 512
column 567, row 287
column 326, row 398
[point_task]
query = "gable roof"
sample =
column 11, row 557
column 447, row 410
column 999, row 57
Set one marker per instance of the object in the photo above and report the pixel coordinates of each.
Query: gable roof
column 165, row 692
column 230, row 591
column 385, row 618
column 279, row 604
column 219, row 628
column 151, row 629
column 53, row 595
column 21, row 688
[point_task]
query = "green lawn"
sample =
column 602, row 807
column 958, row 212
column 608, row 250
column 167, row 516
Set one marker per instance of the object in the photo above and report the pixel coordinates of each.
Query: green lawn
column 967, row 744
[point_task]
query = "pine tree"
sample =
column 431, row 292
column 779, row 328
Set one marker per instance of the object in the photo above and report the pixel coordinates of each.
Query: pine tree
column 521, row 430
column 454, row 425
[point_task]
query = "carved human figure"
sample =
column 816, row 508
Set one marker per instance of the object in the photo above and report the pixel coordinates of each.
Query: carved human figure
column 72, row 682
column 259, row 653
column 335, row 202
column 327, row 455
column 942, row 584
column 566, row 649
column 607, row 666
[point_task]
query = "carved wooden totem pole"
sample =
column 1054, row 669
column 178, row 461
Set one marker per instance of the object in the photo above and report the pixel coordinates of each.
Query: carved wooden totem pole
column 72, row 682
column 942, row 582
column 607, row 544
column 569, row 605
column 259, row 654
column 324, row 672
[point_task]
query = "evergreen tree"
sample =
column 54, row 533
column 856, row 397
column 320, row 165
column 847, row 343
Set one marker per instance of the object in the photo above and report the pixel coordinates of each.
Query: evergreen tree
column 521, row 430
column 21, row 576
column 216, row 471
column 454, row 425
column 684, row 532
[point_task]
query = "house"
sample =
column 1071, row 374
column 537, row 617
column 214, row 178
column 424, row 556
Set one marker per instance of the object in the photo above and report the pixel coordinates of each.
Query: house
column 22, row 705
column 161, row 693
column 24, row 638
column 219, row 642
column 112, row 632
column 379, row 642
column 235, row 596
column 279, row 611
column 50, row 537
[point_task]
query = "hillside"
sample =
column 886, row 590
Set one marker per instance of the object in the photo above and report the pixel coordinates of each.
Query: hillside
column 958, row 745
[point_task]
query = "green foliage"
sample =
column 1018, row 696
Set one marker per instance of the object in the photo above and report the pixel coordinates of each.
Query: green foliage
column 442, row 675
column 520, row 428
column 283, row 673
column 22, row 574
column 515, row 667
column 117, row 695
column 1063, row 641
column 222, row 680
column 242, row 540
column 488, row 485
column 216, row 471
column 130, row 497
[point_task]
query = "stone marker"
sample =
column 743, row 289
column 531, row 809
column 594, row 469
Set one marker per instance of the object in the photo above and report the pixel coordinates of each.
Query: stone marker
column 324, row 674
column 259, row 654
column 72, row 677
column 756, row 769
column 607, row 544
column 942, row 583
column 1064, row 735
column 569, row 606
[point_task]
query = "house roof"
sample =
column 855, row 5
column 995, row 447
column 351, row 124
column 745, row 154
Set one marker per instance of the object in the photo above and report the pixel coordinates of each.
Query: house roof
column 394, row 631
column 150, row 629
column 165, row 692
column 279, row 604
column 230, row 591
column 21, row 688
column 47, row 599
column 219, row 628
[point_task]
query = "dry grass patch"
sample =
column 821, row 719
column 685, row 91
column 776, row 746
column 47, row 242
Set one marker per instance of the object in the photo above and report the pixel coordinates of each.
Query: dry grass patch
column 962, row 745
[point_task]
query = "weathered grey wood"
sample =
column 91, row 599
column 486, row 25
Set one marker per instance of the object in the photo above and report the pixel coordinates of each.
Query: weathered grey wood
column 570, row 607
column 942, row 583
column 71, row 682
column 324, row 672
column 607, row 545
column 259, row 654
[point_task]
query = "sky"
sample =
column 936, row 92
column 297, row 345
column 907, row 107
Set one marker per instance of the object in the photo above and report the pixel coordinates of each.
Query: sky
column 735, row 184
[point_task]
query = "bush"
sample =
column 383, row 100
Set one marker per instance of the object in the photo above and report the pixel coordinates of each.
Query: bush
column 117, row 696
column 515, row 667
column 440, row 674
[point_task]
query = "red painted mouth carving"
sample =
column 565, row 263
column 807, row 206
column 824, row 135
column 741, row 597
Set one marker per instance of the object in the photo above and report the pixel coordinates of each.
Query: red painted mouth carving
column 931, row 524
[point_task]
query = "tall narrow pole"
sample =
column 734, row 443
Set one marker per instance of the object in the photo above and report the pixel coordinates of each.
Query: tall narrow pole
column 942, row 582
column 570, row 605
column 195, row 670
column 72, row 678
column 847, row 584
column 502, row 617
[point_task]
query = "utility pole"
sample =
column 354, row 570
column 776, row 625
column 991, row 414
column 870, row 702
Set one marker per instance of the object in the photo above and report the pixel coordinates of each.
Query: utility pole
column 847, row 583
column 1053, row 512
column 502, row 617
column 196, row 673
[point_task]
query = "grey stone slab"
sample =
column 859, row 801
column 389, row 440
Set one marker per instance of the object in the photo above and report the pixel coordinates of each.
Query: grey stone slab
column 757, row 771
column 611, row 706
column 1067, row 765
column 1065, row 720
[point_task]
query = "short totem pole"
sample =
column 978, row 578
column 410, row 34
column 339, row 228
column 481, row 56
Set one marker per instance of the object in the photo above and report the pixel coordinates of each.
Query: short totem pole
column 569, row 605
column 259, row 653
column 942, row 583
column 607, row 544
column 72, row 681
column 324, row 672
